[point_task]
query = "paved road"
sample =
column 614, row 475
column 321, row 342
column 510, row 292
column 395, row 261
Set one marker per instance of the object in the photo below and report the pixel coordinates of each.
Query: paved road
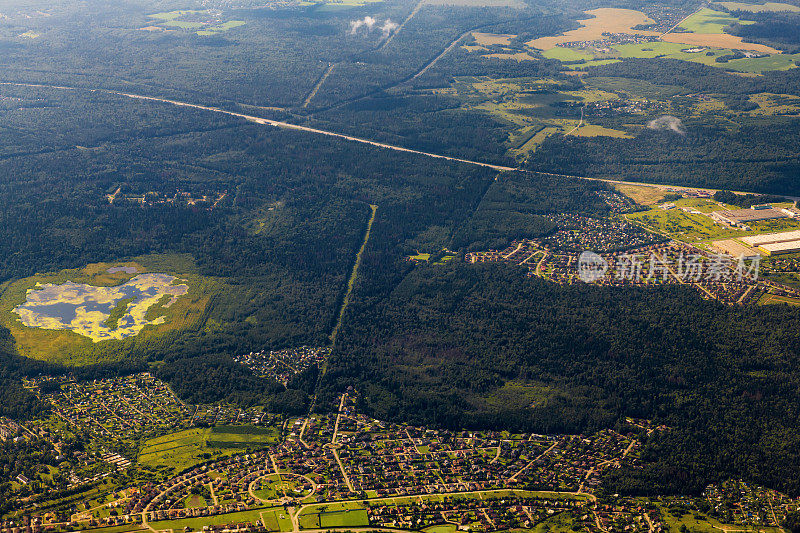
column 286, row 125
column 268, row 122
column 514, row 477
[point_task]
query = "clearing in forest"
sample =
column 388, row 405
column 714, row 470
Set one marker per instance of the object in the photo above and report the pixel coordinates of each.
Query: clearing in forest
column 100, row 313
column 63, row 316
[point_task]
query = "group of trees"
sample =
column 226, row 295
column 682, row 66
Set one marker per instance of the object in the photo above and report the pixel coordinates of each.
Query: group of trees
column 746, row 200
column 439, row 349
column 780, row 29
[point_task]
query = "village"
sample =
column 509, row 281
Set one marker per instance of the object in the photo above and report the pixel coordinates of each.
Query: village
column 179, row 197
column 632, row 256
column 283, row 365
column 345, row 469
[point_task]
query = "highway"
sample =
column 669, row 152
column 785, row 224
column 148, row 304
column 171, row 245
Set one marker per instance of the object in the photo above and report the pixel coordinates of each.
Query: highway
column 351, row 138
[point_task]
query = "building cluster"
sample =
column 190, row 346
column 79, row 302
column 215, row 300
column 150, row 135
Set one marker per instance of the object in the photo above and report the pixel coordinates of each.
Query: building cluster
column 405, row 476
column 619, row 203
column 577, row 233
column 738, row 502
column 757, row 213
column 13, row 431
column 179, row 197
column 605, row 44
column 729, row 279
column 775, row 243
column 624, row 106
column 489, row 514
column 781, row 265
column 129, row 407
column 283, row 365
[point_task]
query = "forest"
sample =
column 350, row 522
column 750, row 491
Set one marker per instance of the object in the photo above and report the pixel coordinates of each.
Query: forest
column 439, row 349
column 438, row 345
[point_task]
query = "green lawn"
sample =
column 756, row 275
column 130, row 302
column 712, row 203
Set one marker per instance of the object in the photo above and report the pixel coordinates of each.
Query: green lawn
column 346, row 518
column 231, row 518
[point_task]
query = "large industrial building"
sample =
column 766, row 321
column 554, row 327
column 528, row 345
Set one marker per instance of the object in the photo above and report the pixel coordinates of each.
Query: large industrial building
column 775, row 243
column 736, row 217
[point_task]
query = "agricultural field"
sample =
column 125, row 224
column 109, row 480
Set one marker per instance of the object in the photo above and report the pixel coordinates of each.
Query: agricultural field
column 79, row 316
column 710, row 21
column 335, row 5
column 760, row 8
column 203, row 22
column 700, row 39
column 599, row 21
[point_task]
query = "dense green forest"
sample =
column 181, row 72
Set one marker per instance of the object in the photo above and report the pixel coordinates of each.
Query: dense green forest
column 441, row 347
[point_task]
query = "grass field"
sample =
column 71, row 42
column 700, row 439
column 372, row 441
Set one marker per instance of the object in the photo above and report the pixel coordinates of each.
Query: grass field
column 517, row 395
column 707, row 524
column 775, row 299
column 219, row 28
column 567, row 54
column 271, row 518
column 760, row 8
column 192, row 19
column 517, row 4
column 183, row 24
column 448, row 528
column 185, row 448
column 537, row 139
column 177, row 451
column 69, row 347
column 488, row 39
column 333, row 5
column 591, row 130
column 682, row 225
column 172, row 15
column 347, row 518
column 692, row 227
column 334, row 515
column 710, row 21
column 241, row 436
column 641, row 194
